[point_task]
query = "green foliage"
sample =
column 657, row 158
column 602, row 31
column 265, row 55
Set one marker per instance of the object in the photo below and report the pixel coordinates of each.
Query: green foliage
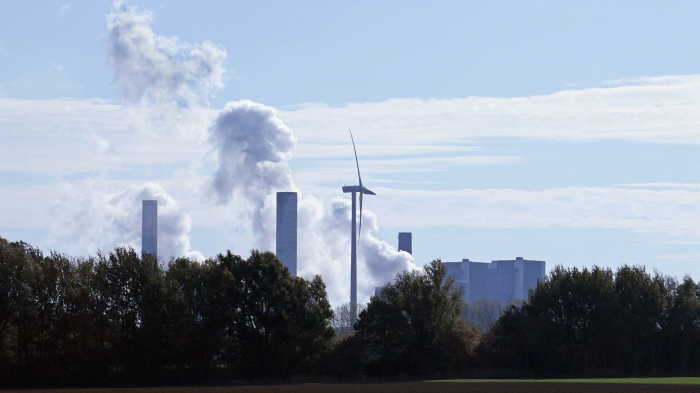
column 576, row 320
column 343, row 318
column 414, row 325
column 123, row 318
column 483, row 313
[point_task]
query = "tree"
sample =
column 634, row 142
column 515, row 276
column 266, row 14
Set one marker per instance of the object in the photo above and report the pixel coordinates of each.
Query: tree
column 572, row 307
column 640, row 302
column 280, row 323
column 142, row 311
column 18, row 274
column 682, row 328
column 414, row 325
column 482, row 313
column 513, row 342
column 343, row 318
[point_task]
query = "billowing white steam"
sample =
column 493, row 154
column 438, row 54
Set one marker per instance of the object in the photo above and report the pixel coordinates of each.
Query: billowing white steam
column 92, row 219
column 158, row 69
column 165, row 75
column 253, row 147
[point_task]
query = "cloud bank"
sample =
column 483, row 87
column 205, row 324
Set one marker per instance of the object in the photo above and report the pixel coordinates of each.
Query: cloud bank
column 655, row 110
column 666, row 215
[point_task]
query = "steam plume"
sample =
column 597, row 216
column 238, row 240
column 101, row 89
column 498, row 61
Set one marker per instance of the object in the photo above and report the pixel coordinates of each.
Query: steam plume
column 92, row 218
column 253, row 147
column 157, row 69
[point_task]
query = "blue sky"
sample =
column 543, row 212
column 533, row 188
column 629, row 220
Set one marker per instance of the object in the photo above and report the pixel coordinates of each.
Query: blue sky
column 563, row 131
column 335, row 52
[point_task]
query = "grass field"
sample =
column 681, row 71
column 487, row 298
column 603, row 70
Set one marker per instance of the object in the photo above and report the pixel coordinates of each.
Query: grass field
column 646, row 385
column 636, row 381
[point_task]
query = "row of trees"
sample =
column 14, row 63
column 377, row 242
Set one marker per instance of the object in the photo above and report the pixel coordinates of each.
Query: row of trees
column 585, row 320
column 483, row 313
column 121, row 318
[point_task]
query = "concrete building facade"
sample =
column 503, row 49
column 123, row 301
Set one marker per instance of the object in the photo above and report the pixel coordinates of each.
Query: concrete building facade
column 286, row 248
column 406, row 242
column 149, row 227
column 502, row 280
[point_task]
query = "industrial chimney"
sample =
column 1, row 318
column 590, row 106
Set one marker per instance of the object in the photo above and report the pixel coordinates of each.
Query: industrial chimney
column 149, row 227
column 406, row 242
column 287, row 230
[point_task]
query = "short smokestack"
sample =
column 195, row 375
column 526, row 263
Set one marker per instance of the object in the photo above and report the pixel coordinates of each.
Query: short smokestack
column 287, row 230
column 149, row 227
column 406, row 242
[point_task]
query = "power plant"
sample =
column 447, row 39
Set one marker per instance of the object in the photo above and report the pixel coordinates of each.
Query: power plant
column 503, row 280
column 149, row 227
column 286, row 248
column 353, row 242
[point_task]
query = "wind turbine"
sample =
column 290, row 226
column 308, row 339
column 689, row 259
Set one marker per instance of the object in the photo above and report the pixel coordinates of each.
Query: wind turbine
column 355, row 236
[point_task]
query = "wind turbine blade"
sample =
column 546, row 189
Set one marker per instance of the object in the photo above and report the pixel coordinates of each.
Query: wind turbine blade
column 359, row 231
column 356, row 162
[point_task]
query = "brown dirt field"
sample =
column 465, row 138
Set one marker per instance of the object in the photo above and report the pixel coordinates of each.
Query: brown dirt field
column 415, row 387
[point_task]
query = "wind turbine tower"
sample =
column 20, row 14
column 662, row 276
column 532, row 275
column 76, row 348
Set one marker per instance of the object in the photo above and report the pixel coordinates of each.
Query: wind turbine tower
column 354, row 190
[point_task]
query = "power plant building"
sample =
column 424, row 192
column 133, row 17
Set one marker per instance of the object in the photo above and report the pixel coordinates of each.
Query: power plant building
column 502, row 280
column 406, row 242
column 149, row 227
column 286, row 248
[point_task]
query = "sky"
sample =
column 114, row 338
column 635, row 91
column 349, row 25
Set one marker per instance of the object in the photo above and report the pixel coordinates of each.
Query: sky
column 558, row 131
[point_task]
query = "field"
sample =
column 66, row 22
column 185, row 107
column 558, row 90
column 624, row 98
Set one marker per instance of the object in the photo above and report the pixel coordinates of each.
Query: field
column 475, row 386
column 627, row 381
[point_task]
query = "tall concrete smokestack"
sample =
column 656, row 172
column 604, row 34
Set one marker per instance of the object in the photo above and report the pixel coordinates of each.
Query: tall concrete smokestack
column 287, row 230
column 406, row 242
column 149, row 227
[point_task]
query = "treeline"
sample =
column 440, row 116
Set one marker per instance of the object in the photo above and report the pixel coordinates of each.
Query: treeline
column 123, row 319
column 120, row 319
column 588, row 320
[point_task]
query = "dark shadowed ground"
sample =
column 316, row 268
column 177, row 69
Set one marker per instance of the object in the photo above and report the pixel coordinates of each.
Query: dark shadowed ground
column 415, row 387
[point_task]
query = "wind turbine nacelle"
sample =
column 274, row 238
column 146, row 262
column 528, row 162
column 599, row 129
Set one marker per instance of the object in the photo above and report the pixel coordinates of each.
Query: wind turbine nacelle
column 358, row 189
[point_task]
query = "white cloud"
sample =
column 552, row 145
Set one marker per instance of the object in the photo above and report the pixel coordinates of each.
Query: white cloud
column 58, row 137
column 63, row 10
column 316, row 150
column 666, row 215
column 661, row 111
column 692, row 257
column 150, row 68
column 658, row 110
column 659, row 185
